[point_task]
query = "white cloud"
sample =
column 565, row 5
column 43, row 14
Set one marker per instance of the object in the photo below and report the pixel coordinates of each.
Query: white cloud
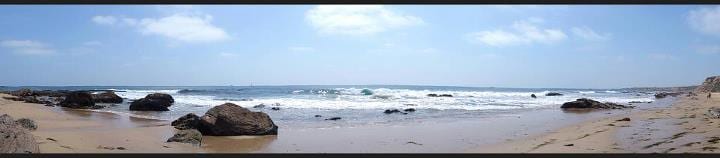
column 589, row 34
column 301, row 49
column 182, row 27
column 524, row 32
column 104, row 20
column 357, row 19
column 705, row 20
column 27, row 47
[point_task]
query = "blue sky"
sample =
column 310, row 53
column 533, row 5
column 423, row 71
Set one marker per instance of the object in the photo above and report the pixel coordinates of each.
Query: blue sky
column 562, row 46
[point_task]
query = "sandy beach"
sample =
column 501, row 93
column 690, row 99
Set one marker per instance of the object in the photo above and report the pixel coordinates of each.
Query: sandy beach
column 682, row 127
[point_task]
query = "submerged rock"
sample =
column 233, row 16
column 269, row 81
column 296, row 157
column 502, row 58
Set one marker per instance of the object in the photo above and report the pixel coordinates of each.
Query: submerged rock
column 533, row 96
column 318, row 115
column 78, row 100
column 189, row 121
column 259, row 106
column 275, row 108
column 152, row 102
column 409, row 110
column 591, row 104
column 390, row 111
column 553, row 94
column 191, row 136
column 229, row 120
column 107, row 97
column 440, row 95
column 334, row 118
column 14, row 138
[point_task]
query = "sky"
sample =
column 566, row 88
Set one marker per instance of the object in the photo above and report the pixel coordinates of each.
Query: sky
column 521, row 46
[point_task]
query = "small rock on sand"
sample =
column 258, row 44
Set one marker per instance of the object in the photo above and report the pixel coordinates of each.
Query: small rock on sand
column 191, row 136
column 334, row 118
column 624, row 119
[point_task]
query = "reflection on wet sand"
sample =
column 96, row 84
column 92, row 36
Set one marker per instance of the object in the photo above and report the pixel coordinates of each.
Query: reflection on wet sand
column 236, row 144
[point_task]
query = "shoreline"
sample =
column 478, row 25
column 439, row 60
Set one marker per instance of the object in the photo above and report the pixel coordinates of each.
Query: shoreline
column 680, row 128
column 87, row 131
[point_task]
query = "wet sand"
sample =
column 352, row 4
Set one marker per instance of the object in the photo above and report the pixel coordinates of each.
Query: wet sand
column 682, row 127
column 82, row 131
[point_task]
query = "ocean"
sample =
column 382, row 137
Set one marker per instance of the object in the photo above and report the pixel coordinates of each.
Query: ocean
column 358, row 105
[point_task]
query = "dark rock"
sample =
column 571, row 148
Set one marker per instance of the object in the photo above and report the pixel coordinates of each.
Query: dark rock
column 591, row 104
column 30, row 99
column 152, row 102
column 27, row 124
column 624, row 119
column 275, row 108
column 259, row 106
column 191, row 136
column 533, row 96
column 553, row 94
column 381, row 96
column 333, row 118
column 107, row 97
column 569, row 144
column 22, row 92
column 229, row 120
column 161, row 96
column 14, row 138
column 409, row 110
column 441, row 95
column 120, row 148
column 665, row 94
column 145, row 104
column 318, row 115
column 390, row 111
column 189, row 121
column 78, row 100
column 13, row 98
column 49, row 93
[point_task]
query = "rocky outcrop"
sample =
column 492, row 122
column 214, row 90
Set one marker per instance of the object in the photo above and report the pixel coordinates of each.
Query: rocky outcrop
column 107, row 97
column 79, row 100
column 189, row 121
column 711, row 84
column 14, row 138
column 229, row 120
column 584, row 103
column 22, row 92
column 152, row 102
column 191, row 136
column 27, row 124
column 665, row 94
column 553, row 94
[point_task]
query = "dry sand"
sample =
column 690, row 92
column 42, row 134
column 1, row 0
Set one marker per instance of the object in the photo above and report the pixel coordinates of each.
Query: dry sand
column 77, row 131
column 680, row 128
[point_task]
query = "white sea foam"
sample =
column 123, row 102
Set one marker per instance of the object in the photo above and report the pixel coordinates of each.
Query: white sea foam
column 385, row 98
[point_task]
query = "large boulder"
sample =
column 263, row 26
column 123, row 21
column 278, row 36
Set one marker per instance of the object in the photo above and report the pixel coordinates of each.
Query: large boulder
column 161, row 96
column 78, row 100
column 229, row 120
column 107, row 97
column 584, row 103
column 14, row 138
column 152, row 102
column 191, row 136
column 189, row 121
